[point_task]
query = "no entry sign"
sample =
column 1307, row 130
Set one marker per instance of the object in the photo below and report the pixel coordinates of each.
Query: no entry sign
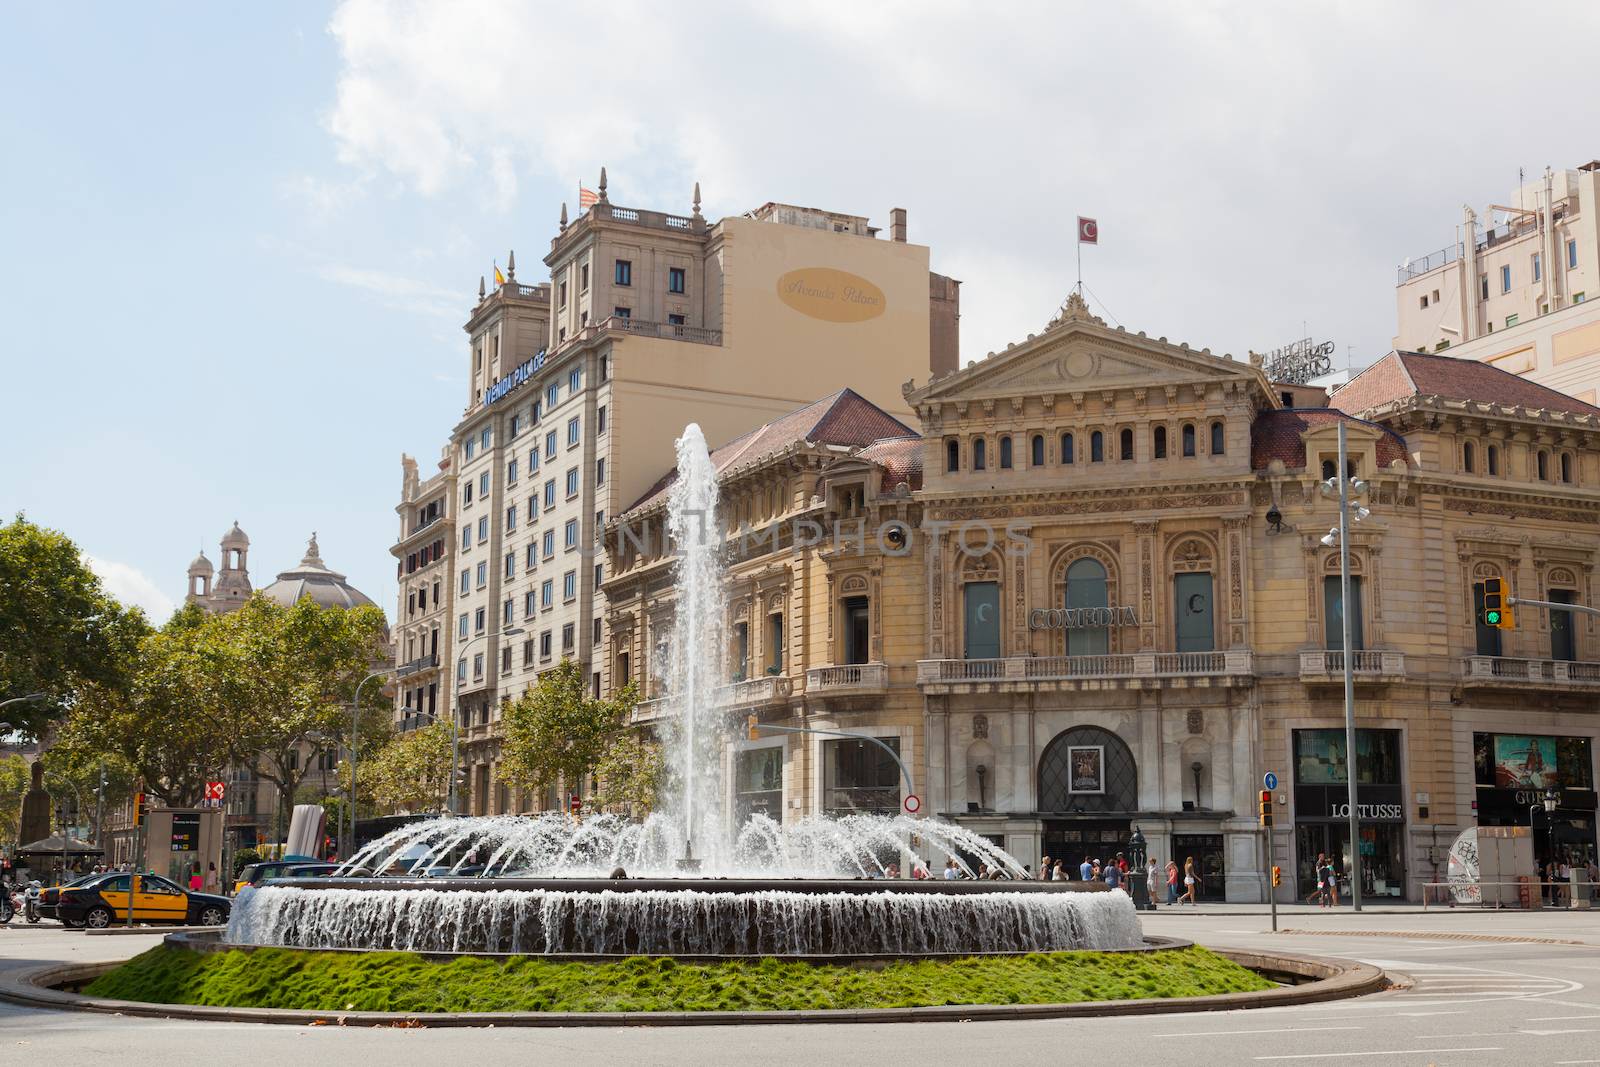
column 913, row 803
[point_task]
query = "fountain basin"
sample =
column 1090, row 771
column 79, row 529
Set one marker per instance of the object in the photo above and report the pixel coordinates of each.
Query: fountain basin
column 689, row 917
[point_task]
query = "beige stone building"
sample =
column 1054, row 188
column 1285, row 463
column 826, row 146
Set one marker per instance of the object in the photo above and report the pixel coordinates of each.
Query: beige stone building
column 1116, row 609
column 424, row 552
column 1516, row 287
column 579, row 385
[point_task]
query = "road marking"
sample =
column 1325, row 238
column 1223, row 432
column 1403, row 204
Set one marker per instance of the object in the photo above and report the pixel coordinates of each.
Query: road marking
column 1280, row 1030
column 1559, row 1018
column 1420, row 1014
column 1385, row 1052
column 1548, row 1033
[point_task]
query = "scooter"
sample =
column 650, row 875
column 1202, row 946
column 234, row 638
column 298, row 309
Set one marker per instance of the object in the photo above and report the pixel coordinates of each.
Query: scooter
column 30, row 903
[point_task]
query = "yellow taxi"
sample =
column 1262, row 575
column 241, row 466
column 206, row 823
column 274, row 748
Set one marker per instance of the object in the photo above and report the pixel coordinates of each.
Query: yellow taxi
column 103, row 901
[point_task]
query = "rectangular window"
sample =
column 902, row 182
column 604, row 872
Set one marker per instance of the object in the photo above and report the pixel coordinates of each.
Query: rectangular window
column 507, row 612
column 483, row 574
column 466, row 582
column 544, row 645
column 571, row 535
column 550, row 493
column 527, row 652
column 511, row 519
column 550, row 445
column 466, row 495
column 470, row 448
column 461, row 629
column 569, row 585
column 1538, row 272
column 677, row 320
column 461, row 666
column 516, row 423
column 547, row 593
column 856, row 634
column 574, row 379
column 568, row 633
column 860, row 778
column 511, row 564
column 583, row 278
column 676, row 279
column 622, row 312
column 573, row 431
column 533, row 414
column 532, row 554
column 483, row 529
column 1333, row 617
column 511, row 472
column 982, row 612
column 533, row 462
column 477, row 665
column 483, row 485
column 549, row 544
column 1512, row 320
column 775, row 643
column 599, row 576
column 600, row 419
column 563, row 302
column 600, row 472
column 1505, row 278
column 1572, row 255
column 528, row 603
column 624, row 272
column 1483, row 286
column 479, row 618
column 483, row 439
column 572, row 483
column 1192, row 601
column 1563, row 633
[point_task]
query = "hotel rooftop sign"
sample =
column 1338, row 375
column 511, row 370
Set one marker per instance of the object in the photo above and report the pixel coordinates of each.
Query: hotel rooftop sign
column 1298, row 363
column 525, row 370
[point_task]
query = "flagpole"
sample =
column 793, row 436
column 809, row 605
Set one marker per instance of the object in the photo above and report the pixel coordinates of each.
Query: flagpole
column 1080, row 262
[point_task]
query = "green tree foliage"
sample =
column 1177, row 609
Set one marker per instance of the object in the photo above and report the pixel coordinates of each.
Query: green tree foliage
column 410, row 774
column 14, row 781
column 59, row 631
column 631, row 773
column 558, row 734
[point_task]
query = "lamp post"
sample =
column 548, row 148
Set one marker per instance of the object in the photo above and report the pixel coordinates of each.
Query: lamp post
column 1340, row 535
column 1550, row 801
column 455, row 720
column 1140, row 889
column 20, row 700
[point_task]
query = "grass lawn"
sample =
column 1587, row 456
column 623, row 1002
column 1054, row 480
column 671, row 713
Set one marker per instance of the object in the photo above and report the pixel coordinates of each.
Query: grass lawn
column 403, row 982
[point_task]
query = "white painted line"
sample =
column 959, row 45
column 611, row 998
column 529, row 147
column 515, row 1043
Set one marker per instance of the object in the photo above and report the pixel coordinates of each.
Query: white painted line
column 1419, row 1014
column 1559, row 1018
column 1385, row 1052
column 1280, row 1030
column 1548, row 1033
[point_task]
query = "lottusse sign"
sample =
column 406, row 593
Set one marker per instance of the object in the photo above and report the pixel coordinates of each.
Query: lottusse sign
column 525, row 370
column 831, row 295
column 1080, row 618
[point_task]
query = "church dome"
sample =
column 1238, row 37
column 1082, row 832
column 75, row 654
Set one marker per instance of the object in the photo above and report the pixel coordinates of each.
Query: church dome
column 313, row 580
column 201, row 565
column 235, row 538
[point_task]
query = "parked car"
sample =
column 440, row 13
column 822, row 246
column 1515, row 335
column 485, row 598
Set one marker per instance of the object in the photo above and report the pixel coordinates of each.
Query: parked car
column 47, row 901
column 106, row 900
column 256, row 873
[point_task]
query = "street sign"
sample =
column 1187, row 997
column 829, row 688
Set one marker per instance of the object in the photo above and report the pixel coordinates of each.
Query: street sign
column 577, row 804
column 185, row 833
column 913, row 803
column 214, row 794
column 1270, row 780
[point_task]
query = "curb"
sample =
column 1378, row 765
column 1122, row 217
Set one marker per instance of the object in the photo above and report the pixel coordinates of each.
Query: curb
column 1322, row 979
column 1440, row 935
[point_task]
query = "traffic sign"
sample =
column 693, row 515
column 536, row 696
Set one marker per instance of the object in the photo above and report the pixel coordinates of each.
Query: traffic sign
column 1270, row 780
column 215, row 791
column 913, row 803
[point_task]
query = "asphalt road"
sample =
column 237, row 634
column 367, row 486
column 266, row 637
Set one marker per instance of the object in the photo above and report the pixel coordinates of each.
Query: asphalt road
column 1486, row 990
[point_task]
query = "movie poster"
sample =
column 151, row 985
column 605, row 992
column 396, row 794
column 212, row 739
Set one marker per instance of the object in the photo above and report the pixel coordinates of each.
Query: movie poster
column 1522, row 762
column 1086, row 766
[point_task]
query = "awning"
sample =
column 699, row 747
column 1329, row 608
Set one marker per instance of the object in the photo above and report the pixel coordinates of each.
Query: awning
column 54, row 846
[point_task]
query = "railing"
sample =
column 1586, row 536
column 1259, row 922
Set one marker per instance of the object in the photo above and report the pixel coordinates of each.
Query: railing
column 1503, row 669
column 421, row 663
column 649, row 710
column 753, row 691
column 656, row 220
column 670, row 331
column 425, row 523
column 847, row 676
column 1175, row 667
column 1414, row 268
column 1366, row 663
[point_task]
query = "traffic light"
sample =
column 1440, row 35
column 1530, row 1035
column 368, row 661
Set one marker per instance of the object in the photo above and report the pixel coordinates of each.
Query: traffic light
column 1496, row 612
column 1266, row 807
column 138, row 809
column 1277, row 876
column 753, row 726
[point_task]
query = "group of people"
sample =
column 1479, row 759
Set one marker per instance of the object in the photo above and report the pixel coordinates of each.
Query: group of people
column 1115, row 873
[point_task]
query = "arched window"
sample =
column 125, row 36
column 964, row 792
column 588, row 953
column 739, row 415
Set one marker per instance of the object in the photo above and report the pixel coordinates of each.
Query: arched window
column 1160, row 443
column 1218, row 445
column 1036, row 451
column 952, row 455
column 1086, row 588
column 1125, row 444
column 1468, row 460
column 1544, row 466
column 1066, row 448
column 1097, row 447
column 1005, row 453
column 1493, row 456
column 980, row 454
column 1090, row 769
column 1188, row 439
column 1566, row 467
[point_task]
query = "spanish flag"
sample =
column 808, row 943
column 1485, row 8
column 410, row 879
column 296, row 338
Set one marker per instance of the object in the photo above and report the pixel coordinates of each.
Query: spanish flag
column 499, row 279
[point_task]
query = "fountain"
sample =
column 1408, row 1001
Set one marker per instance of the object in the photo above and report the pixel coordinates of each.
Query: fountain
column 682, row 881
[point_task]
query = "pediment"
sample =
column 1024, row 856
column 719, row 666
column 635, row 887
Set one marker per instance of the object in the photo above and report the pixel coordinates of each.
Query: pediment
column 1084, row 358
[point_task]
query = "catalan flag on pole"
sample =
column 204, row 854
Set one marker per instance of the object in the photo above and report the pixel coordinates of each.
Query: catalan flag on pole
column 587, row 198
column 499, row 279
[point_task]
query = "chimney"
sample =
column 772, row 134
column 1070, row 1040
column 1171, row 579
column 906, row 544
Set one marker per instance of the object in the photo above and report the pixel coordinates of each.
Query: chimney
column 897, row 224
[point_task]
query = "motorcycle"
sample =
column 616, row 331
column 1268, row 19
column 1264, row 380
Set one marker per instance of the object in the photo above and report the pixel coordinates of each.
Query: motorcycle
column 10, row 903
column 30, row 903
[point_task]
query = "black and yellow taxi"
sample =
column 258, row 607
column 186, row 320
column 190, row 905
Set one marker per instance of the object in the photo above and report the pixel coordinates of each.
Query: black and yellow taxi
column 104, row 901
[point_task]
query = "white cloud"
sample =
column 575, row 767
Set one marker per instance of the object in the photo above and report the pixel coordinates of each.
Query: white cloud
column 130, row 586
column 1252, row 166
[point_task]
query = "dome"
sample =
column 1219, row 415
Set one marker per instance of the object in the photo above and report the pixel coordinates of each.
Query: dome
column 235, row 538
column 201, row 565
column 314, row 581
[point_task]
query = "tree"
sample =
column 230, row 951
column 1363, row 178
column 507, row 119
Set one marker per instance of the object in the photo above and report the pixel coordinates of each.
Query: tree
column 410, row 774
column 631, row 773
column 14, row 781
column 59, row 631
column 556, row 733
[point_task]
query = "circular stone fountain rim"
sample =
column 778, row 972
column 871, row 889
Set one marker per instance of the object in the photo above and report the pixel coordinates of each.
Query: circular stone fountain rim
column 808, row 886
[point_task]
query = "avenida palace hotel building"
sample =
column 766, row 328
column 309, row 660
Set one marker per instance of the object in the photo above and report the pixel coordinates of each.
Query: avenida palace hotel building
column 1086, row 592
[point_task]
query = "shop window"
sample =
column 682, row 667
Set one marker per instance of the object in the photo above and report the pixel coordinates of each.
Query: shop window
column 860, row 777
column 1097, row 447
column 1125, row 444
column 1005, row 453
column 980, row 454
column 982, row 615
column 1467, row 457
column 759, row 784
column 1086, row 588
column 1192, row 601
column 1333, row 613
column 1487, row 637
column 856, row 632
column 1563, row 632
column 952, row 455
column 1218, row 444
column 1066, row 448
column 1159, row 444
column 1036, row 451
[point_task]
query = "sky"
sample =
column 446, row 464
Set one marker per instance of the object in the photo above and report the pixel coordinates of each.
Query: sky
column 238, row 242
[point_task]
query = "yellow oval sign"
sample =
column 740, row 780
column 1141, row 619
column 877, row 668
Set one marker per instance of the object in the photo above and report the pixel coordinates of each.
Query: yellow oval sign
column 831, row 295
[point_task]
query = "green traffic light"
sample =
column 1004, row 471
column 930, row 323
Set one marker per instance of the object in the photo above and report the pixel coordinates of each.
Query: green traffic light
column 1492, row 618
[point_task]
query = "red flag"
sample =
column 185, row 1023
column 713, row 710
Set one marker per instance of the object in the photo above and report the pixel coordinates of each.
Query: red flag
column 1088, row 231
column 587, row 198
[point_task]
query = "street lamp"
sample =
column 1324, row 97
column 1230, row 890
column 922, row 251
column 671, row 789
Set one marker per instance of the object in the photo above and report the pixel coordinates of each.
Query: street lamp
column 22, row 700
column 455, row 719
column 1342, row 485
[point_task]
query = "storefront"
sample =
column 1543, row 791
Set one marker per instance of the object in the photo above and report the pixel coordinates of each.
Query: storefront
column 1209, row 866
column 1322, row 810
column 1515, row 772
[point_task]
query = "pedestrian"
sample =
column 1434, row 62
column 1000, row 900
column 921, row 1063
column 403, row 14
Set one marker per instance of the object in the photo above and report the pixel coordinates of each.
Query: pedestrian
column 983, row 872
column 1122, row 863
column 213, row 879
column 1044, row 869
column 1094, row 869
column 1058, row 873
column 195, row 881
column 1113, row 876
column 1172, row 881
column 1086, row 870
column 951, row 871
column 1333, row 882
column 1152, row 880
column 1191, row 881
column 1319, row 895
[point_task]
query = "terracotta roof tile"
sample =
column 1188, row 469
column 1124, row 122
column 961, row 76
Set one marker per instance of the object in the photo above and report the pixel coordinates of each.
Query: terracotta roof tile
column 1280, row 435
column 900, row 458
column 1404, row 374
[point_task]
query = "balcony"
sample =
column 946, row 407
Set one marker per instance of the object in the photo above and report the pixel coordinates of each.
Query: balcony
column 1326, row 666
column 847, row 679
column 1138, row 670
column 754, row 692
column 421, row 663
column 669, row 331
column 1502, row 671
